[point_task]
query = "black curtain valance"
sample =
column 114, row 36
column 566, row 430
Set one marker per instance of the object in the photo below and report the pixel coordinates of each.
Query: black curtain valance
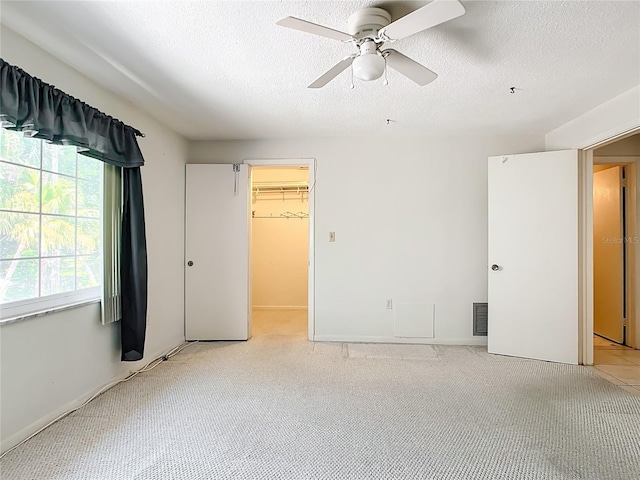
column 29, row 104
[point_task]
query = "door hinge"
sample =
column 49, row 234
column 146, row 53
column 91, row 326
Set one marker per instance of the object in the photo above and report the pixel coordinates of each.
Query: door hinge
column 236, row 178
column 623, row 182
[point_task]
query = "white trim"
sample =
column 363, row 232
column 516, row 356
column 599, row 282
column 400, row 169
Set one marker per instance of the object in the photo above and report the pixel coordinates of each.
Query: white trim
column 280, row 307
column 38, row 306
column 36, row 425
column 41, row 313
column 585, row 345
column 419, row 341
column 311, row 163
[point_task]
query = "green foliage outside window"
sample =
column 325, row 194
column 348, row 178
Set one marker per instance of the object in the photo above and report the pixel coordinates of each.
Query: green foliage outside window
column 50, row 218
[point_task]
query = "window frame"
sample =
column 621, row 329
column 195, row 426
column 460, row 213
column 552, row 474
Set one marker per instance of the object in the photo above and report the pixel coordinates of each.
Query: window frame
column 36, row 306
column 43, row 304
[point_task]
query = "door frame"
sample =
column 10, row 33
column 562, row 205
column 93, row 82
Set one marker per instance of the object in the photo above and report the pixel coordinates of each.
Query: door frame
column 630, row 162
column 312, row 166
column 585, row 247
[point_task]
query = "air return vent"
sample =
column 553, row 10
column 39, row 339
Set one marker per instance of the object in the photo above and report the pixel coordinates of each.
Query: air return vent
column 480, row 312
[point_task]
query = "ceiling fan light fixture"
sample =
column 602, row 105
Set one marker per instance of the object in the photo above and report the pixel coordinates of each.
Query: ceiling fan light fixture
column 368, row 66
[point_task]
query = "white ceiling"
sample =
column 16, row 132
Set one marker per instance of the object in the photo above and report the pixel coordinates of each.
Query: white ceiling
column 224, row 70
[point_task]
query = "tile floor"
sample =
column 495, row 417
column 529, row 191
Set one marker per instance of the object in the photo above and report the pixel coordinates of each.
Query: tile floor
column 617, row 363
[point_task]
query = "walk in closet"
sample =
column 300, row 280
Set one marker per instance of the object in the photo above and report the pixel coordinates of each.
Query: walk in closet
column 279, row 249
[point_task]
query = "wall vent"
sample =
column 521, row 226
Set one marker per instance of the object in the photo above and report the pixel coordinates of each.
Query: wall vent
column 480, row 313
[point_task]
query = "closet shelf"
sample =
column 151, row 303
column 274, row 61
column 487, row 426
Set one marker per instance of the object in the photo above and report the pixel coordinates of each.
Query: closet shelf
column 282, row 187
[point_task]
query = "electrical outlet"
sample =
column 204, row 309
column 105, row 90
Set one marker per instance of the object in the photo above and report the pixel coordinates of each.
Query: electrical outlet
column 332, row 236
column 389, row 304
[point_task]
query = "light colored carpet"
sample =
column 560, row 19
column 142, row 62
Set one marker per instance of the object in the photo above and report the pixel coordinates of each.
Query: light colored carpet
column 283, row 408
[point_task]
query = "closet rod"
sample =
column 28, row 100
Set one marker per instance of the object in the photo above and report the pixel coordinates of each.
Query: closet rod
column 280, row 188
column 286, row 215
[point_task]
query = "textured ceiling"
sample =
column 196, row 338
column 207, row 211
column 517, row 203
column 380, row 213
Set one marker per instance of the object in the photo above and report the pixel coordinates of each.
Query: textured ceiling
column 224, row 70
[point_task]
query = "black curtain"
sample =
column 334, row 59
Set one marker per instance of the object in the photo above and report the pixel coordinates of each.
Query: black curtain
column 41, row 110
column 133, row 267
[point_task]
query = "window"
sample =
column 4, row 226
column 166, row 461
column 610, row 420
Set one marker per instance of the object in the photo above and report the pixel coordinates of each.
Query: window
column 50, row 225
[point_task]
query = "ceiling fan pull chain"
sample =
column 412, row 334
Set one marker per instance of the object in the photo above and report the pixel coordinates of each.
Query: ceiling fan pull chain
column 385, row 82
column 352, row 85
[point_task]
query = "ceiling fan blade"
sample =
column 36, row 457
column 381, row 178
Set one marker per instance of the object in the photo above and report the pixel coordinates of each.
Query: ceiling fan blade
column 432, row 14
column 409, row 68
column 304, row 26
column 333, row 72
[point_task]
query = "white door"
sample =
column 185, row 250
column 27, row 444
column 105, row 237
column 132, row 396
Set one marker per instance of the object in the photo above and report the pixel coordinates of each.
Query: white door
column 608, row 246
column 533, row 256
column 217, row 253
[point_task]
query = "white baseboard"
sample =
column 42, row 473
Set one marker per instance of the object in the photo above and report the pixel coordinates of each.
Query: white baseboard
column 279, row 307
column 25, row 432
column 420, row 341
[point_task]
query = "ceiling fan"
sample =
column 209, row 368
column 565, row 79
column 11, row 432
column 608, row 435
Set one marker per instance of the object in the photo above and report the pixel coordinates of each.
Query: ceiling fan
column 369, row 29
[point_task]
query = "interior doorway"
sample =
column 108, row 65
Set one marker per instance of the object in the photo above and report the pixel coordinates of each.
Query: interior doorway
column 218, row 221
column 610, row 253
column 280, row 250
column 615, row 245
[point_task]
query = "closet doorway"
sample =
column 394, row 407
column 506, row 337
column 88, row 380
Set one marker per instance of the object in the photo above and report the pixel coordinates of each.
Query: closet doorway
column 280, row 250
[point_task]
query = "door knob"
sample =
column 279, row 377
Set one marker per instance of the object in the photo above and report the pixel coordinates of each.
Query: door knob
column 190, row 263
column 495, row 267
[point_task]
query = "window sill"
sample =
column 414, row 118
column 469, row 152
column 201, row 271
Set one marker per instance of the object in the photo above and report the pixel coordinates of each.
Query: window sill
column 26, row 316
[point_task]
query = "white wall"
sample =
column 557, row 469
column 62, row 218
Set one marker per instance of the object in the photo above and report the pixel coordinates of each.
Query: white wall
column 622, row 148
column 618, row 115
column 55, row 362
column 279, row 246
column 410, row 217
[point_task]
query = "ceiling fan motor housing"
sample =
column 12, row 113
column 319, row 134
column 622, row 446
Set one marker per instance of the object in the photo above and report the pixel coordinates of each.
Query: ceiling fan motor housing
column 367, row 21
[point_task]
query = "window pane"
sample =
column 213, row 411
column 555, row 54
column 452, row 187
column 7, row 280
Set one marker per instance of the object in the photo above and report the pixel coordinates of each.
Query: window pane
column 50, row 220
column 89, row 168
column 58, row 194
column 58, row 275
column 19, row 188
column 58, row 236
column 88, row 236
column 59, row 158
column 16, row 148
column 89, row 271
column 18, row 280
column 89, row 195
column 19, row 234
